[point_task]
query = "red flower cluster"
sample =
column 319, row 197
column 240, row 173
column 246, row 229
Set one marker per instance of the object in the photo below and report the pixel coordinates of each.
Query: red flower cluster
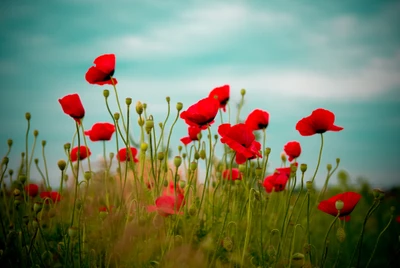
column 257, row 119
column 292, row 149
column 100, row 132
column 170, row 202
column 277, row 181
column 241, row 139
column 319, row 121
column 236, row 175
column 72, row 106
column 54, row 196
column 123, row 155
column 222, row 95
column 349, row 199
column 84, row 152
column 102, row 72
column 193, row 131
column 32, row 189
column 202, row 113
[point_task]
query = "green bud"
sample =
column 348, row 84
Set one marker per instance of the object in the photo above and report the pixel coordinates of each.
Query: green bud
column 160, row 156
column 179, row 106
column 111, row 155
column 329, row 167
column 168, row 99
column 309, row 185
column 106, row 93
column 202, row 154
column 267, row 151
column 242, row 168
column 22, row 178
column 243, row 92
column 139, row 108
column 337, row 161
column 67, row 146
column 193, row 166
column 87, row 175
column 378, row 194
column 116, row 116
column 61, row 164
column 37, row 206
column 179, row 148
column 258, row 171
column 144, row 106
column 5, row 160
column 303, row 167
column 10, row 142
column 143, row 147
column 339, row 204
column 184, row 155
column 43, row 143
column 128, row 101
column 149, row 125
column 73, row 231
column 10, row 172
column 283, row 157
column 140, row 121
column 196, row 155
column 35, row 133
column 177, row 161
column 182, row 184
column 28, row 116
column 36, row 160
column 340, row 234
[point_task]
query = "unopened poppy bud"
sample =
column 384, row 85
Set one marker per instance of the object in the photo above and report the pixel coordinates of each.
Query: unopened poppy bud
column 65, row 177
column 103, row 214
column 44, row 143
column 10, row 172
column 17, row 192
column 193, row 166
column 167, row 99
column 73, row 231
column 87, row 175
column 111, row 155
column 215, row 137
column 140, row 121
column 28, row 116
column 36, row 160
column 267, row 151
column 177, row 161
column 378, row 194
column 303, row 167
column 61, row 164
column 22, row 154
column 144, row 146
column 242, row 168
column 165, row 183
column 309, row 185
column 293, row 168
column 243, row 92
column 116, row 116
column 283, row 157
column 196, row 155
column 160, row 156
column 199, row 136
column 340, row 235
column 10, row 142
column 192, row 211
column 144, row 106
column 22, row 178
column 160, row 125
column 339, row 204
column 179, row 106
column 202, row 154
column 128, row 101
column 67, row 146
column 139, row 108
column 298, row 260
column 306, row 248
column 329, row 167
column 257, row 195
column 227, row 244
column 337, row 161
column 37, row 206
column 182, row 184
column 149, row 125
column 179, row 148
column 184, row 155
column 106, row 93
column 5, row 160
column 258, row 171
column 35, row 133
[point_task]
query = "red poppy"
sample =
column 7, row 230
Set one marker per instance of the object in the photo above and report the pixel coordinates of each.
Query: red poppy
column 398, row 218
column 292, row 149
column 104, row 69
column 170, row 190
column 236, row 175
column 32, row 189
column 84, row 152
column 123, row 155
column 72, row 106
column 193, row 135
column 54, row 196
column 257, row 119
column 170, row 202
column 105, row 209
column 202, row 113
column 241, row 139
column 222, row 94
column 319, row 121
column 349, row 199
column 100, row 132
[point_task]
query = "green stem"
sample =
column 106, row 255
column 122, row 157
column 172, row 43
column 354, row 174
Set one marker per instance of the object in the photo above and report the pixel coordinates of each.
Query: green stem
column 324, row 248
column 319, row 157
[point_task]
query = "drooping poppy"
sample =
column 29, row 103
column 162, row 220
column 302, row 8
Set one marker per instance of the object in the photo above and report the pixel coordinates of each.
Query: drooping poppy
column 102, row 72
column 241, row 139
column 222, row 95
column 193, row 135
column 349, row 199
column 292, row 149
column 319, row 121
column 275, row 182
column 236, row 175
column 123, row 155
column 202, row 113
column 32, row 189
column 72, row 106
column 100, row 132
column 54, row 196
column 257, row 119
column 84, row 152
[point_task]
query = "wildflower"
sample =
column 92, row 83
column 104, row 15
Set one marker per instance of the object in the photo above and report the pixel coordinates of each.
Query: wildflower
column 100, row 132
column 236, row 175
column 123, row 155
column 102, row 72
column 349, row 199
column 275, row 182
column 222, row 95
column 202, row 113
column 32, row 189
column 54, row 196
column 193, row 131
column 292, row 149
column 257, row 119
column 72, row 106
column 241, row 139
column 84, row 152
column 319, row 121
column 170, row 202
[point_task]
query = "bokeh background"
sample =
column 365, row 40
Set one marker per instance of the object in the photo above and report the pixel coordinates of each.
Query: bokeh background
column 291, row 56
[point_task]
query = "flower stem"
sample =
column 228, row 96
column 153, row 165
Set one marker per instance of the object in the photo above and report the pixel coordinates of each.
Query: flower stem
column 319, row 158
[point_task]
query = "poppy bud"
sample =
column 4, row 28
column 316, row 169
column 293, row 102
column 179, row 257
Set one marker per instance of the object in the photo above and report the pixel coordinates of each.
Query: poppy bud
column 143, row 147
column 216, row 137
column 177, row 161
column 87, row 175
column 37, row 206
column 243, row 92
column 16, row 192
column 35, row 133
column 242, row 168
column 73, row 231
column 167, row 99
column 61, row 164
column 196, row 155
column 149, row 125
column 184, row 155
column 298, row 260
column 192, row 211
column 193, row 166
column 22, row 154
column 283, row 157
column 9, row 142
column 337, row 161
column 67, row 146
column 5, row 160
column 10, row 172
column 182, row 184
column 339, row 204
column 111, row 155
column 106, row 93
column 329, row 167
column 160, row 156
column 340, row 234
column 303, row 167
column 309, row 185
column 28, row 116
column 43, row 143
column 227, row 244
column 103, row 214
column 128, row 101
column 267, row 151
column 160, row 125
column 140, row 121
column 179, row 106
column 139, row 108
column 116, row 116
column 22, row 178
column 144, row 106
column 165, row 183
column 378, row 194
column 202, row 154
column 258, row 171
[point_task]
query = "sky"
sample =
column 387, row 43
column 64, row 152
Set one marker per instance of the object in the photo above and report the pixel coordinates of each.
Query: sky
column 292, row 57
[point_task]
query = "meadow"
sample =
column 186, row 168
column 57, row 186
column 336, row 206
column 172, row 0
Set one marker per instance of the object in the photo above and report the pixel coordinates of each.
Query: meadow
column 200, row 207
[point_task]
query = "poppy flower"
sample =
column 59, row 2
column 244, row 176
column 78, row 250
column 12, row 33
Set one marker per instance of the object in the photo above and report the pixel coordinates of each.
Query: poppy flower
column 84, row 152
column 72, row 106
column 236, row 175
column 170, row 202
column 170, row 189
column 257, row 119
column 241, row 139
column 222, row 94
column 32, row 189
column 193, row 132
column 292, row 149
column 54, row 196
column 319, row 121
column 398, row 218
column 202, row 113
column 104, row 69
column 349, row 199
column 100, row 132
column 278, row 180
column 123, row 155
column 105, row 209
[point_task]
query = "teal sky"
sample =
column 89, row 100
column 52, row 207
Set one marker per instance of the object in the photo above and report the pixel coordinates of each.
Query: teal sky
column 291, row 56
